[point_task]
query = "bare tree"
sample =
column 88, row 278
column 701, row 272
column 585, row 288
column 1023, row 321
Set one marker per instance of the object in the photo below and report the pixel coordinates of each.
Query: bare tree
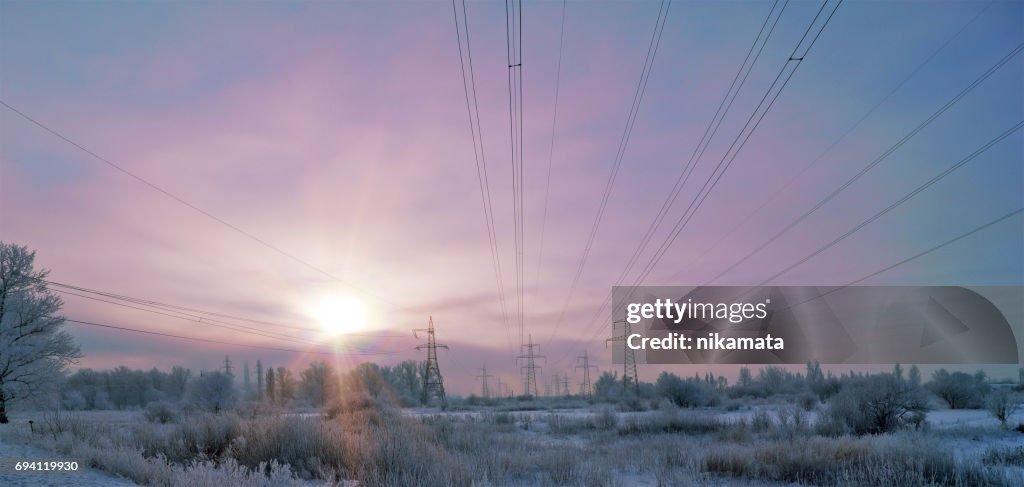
column 1002, row 404
column 34, row 350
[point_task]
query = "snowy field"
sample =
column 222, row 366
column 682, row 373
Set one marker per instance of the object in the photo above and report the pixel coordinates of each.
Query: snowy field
column 88, row 477
column 524, row 447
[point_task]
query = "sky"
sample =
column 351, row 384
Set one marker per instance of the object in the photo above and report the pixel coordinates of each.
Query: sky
column 337, row 132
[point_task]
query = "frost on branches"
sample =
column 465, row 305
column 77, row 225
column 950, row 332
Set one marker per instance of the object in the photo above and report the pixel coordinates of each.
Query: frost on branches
column 34, row 350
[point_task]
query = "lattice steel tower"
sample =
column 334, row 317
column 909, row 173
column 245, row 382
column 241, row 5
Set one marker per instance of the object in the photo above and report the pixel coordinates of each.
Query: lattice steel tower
column 585, row 388
column 433, row 384
column 485, row 390
column 629, row 375
column 530, row 369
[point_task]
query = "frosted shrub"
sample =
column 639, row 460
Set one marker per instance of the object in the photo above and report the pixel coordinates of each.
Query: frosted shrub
column 875, row 404
column 161, row 412
column 230, row 474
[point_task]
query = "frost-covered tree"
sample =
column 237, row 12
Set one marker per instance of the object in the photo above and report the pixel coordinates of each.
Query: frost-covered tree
column 211, row 391
column 745, row 378
column 914, row 375
column 34, row 350
column 960, row 390
column 271, row 387
column 286, row 385
column 686, row 393
column 607, row 385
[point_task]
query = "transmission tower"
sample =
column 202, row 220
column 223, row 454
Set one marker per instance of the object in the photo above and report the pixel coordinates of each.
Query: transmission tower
column 530, row 369
column 629, row 375
column 227, row 366
column 485, row 390
column 585, row 387
column 433, row 384
column 565, row 385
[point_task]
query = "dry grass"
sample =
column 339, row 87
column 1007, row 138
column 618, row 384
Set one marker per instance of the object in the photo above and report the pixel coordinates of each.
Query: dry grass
column 905, row 460
column 386, row 447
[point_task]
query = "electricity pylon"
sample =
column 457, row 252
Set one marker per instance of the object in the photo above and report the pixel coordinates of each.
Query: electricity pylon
column 585, row 388
column 485, row 390
column 433, row 384
column 501, row 387
column 227, row 367
column 628, row 358
column 530, row 369
column 565, row 386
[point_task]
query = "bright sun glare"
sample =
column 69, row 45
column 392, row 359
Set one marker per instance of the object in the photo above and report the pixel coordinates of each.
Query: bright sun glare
column 338, row 314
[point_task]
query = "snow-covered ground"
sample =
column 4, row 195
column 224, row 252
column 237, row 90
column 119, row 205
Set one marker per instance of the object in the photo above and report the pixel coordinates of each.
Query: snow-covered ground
column 85, row 477
column 948, row 418
column 970, row 434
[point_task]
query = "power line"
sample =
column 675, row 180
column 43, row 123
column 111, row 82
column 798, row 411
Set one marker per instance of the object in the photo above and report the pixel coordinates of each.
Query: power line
column 915, row 256
column 702, row 145
column 513, row 53
column 207, row 340
column 709, row 133
column 984, row 76
column 172, row 311
column 551, row 148
column 190, row 311
column 480, row 157
column 186, row 203
column 522, row 193
column 783, row 188
column 897, row 203
column 220, row 324
column 727, row 160
column 197, row 319
column 641, row 87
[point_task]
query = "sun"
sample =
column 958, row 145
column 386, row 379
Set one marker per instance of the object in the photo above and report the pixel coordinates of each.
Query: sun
column 338, row 314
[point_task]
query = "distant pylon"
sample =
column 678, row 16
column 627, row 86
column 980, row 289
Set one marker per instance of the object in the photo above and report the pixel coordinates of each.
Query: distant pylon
column 629, row 375
column 227, row 366
column 530, row 369
column 433, row 384
column 585, row 388
column 485, row 390
column 565, row 385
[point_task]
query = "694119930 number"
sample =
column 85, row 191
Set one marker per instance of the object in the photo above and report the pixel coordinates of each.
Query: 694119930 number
column 44, row 466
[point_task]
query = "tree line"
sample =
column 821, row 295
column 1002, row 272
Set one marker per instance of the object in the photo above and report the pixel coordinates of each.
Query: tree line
column 316, row 386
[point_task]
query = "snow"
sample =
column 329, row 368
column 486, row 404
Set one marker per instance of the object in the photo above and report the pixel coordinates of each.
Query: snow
column 87, row 478
column 947, row 418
